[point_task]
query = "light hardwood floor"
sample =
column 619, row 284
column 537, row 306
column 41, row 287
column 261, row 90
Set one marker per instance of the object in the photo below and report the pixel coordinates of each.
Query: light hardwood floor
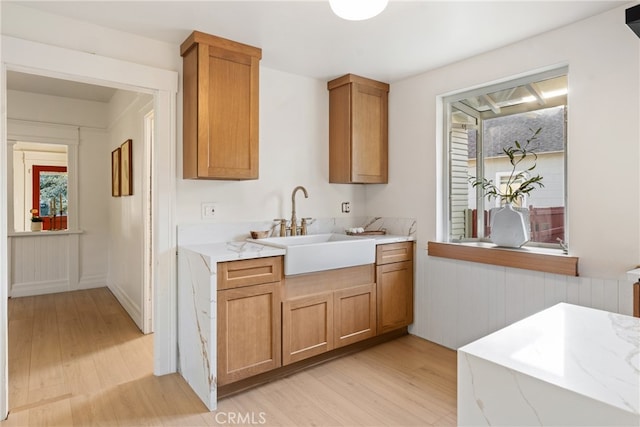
column 77, row 359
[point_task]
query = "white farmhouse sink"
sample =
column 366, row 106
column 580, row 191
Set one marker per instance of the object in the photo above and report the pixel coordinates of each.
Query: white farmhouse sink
column 318, row 252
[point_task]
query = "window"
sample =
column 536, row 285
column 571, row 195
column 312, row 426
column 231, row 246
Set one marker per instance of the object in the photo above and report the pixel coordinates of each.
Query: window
column 49, row 198
column 42, row 172
column 480, row 124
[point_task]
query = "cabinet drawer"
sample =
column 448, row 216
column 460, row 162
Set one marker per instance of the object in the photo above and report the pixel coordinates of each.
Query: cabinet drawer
column 235, row 274
column 394, row 252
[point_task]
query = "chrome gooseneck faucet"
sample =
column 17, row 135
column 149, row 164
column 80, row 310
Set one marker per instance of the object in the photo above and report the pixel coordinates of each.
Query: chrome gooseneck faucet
column 294, row 220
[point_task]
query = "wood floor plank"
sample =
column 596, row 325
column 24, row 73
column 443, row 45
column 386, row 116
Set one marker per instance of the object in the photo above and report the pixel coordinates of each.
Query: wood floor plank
column 80, row 370
column 21, row 308
column 20, row 342
column 93, row 409
column 54, row 414
column 77, row 359
column 46, row 378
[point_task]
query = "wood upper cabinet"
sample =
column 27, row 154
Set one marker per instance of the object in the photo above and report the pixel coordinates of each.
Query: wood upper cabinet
column 394, row 282
column 220, row 108
column 249, row 318
column 358, row 130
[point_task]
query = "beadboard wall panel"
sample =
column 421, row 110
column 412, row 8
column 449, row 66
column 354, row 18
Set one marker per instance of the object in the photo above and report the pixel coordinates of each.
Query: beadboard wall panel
column 47, row 263
column 457, row 302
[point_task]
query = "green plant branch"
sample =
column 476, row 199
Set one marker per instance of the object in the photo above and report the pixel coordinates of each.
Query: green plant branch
column 516, row 153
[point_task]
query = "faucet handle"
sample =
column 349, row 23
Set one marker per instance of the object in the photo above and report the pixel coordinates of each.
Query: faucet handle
column 283, row 226
column 305, row 222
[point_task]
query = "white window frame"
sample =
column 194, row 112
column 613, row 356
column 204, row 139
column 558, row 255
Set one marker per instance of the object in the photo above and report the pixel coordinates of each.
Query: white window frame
column 454, row 100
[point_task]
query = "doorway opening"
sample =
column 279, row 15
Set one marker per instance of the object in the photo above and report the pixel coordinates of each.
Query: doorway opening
column 56, row 62
column 43, row 189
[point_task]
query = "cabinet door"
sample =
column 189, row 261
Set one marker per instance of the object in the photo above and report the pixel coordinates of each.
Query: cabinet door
column 369, row 145
column 248, row 331
column 354, row 314
column 228, row 115
column 220, row 108
column 307, row 327
column 395, row 295
column 358, row 130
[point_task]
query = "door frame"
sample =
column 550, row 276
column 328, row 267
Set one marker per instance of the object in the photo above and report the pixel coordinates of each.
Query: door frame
column 52, row 61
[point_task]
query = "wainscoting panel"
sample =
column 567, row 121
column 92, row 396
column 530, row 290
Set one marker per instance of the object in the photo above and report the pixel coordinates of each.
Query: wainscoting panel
column 44, row 263
column 457, row 302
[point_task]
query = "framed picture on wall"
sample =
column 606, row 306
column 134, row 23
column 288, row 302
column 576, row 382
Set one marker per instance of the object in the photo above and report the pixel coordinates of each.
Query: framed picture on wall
column 115, row 172
column 126, row 169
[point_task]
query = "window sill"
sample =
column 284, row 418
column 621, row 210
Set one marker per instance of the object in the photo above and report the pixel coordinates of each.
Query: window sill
column 43, row 233
column 537, row 259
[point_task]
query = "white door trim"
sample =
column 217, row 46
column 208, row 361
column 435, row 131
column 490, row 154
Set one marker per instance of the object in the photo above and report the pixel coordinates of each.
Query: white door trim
column 52, row 61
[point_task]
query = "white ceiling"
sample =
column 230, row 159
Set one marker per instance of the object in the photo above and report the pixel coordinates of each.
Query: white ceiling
column 304, row 37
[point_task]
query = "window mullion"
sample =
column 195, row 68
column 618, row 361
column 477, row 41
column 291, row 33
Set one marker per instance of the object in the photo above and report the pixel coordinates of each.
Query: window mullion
column 480, row 208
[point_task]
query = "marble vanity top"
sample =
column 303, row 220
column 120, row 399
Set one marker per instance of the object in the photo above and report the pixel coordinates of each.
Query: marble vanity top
column 590, row 352
column 232, row 251
column 382, row 239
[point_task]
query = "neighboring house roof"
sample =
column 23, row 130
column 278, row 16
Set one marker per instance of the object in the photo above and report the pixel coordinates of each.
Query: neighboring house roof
column 503, row 131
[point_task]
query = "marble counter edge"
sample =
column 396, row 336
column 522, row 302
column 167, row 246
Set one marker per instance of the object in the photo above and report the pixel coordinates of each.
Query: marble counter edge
column 488, row 348
column 232, row 251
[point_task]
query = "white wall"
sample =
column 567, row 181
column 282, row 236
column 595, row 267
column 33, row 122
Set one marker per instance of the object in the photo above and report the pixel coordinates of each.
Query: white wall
column 294, row 150
column 126, row 214
column 603, row 57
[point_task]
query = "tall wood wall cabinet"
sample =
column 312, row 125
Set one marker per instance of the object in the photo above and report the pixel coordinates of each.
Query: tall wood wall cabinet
column 358, row 130
column 220, row 108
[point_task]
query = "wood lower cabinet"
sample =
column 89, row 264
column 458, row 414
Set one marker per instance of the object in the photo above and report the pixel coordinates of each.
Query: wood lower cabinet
column 249, row 318
column 394, row 282
column 355, row 314
column 327, row 310
column 220, row 108
column 307, row 327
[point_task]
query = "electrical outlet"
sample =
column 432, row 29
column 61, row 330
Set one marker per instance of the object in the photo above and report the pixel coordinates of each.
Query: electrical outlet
column 346, row 207
column 209, row 210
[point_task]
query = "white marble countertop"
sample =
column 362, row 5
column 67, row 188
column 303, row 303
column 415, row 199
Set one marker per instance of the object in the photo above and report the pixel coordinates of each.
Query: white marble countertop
column 590, row 352
column 382, row 239
column 232, row 251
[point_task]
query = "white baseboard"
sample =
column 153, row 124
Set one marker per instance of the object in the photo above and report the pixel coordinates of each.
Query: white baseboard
column 93, row 281
column 128, row 304
column 28, row 289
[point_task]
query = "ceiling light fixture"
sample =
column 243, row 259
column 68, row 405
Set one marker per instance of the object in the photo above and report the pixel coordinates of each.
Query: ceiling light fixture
column 357, row 10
